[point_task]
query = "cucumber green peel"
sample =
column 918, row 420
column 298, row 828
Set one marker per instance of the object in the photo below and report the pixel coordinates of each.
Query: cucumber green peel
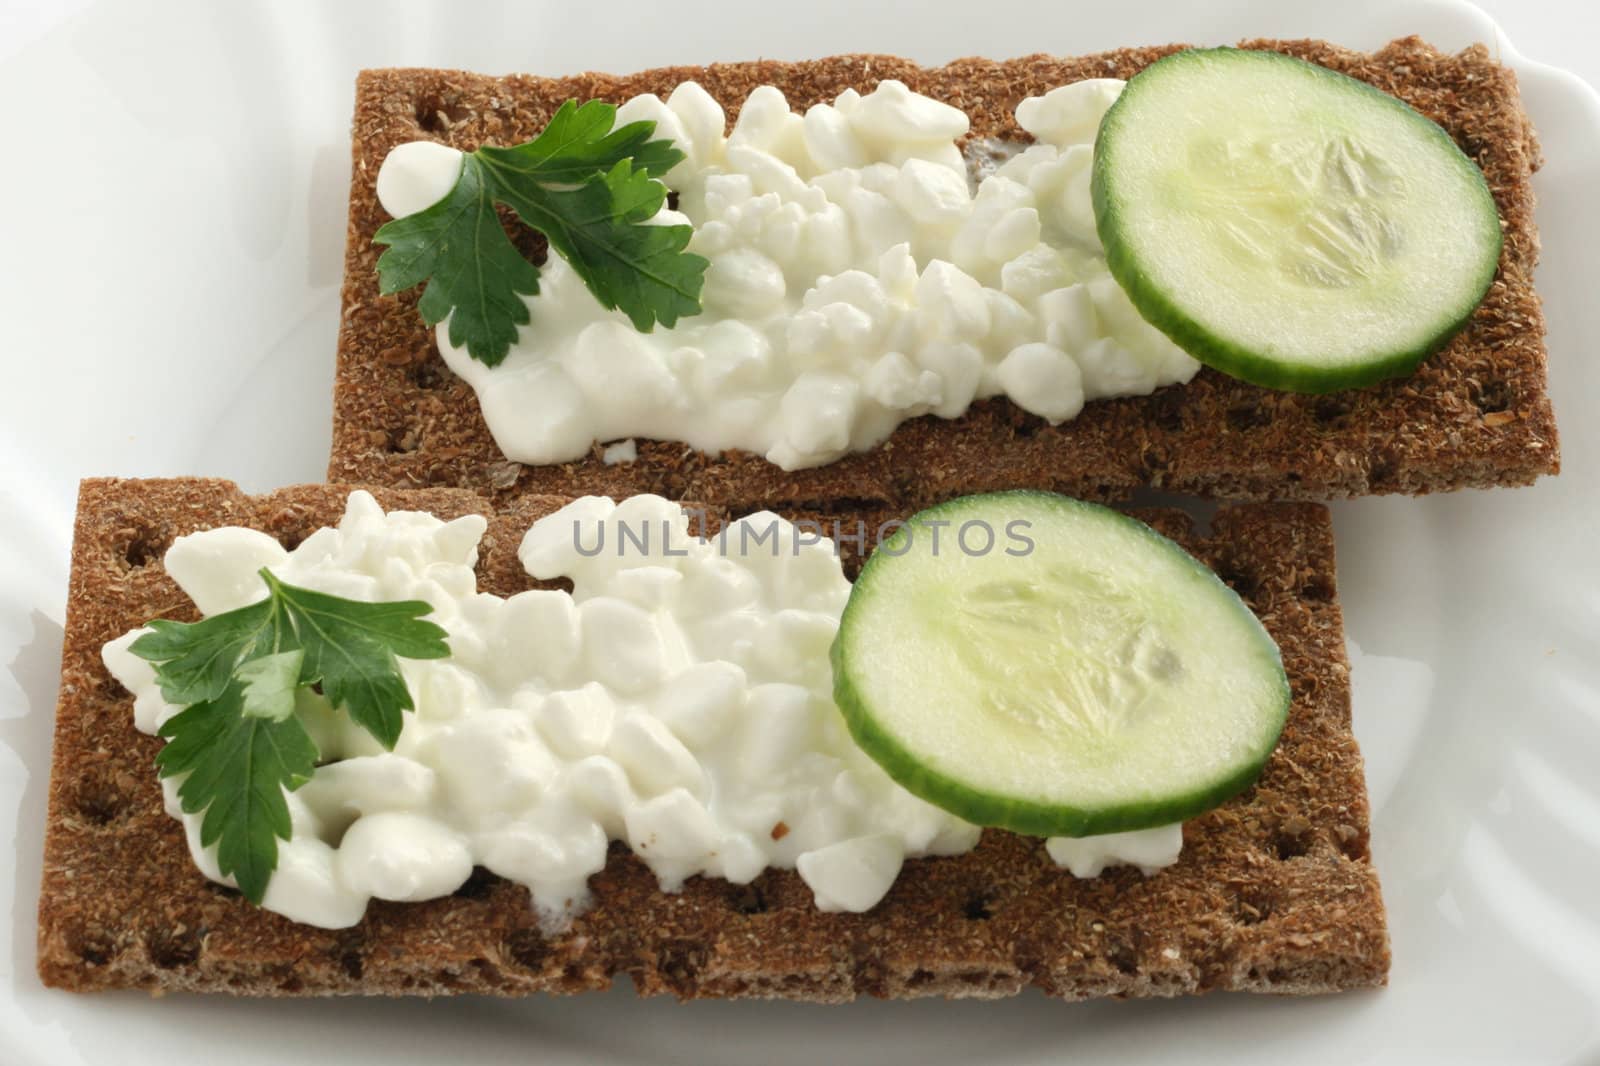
column 1104, row 681
column 1289, row 225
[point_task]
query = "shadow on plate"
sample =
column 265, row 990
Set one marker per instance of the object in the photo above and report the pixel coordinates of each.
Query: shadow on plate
column 37, row 672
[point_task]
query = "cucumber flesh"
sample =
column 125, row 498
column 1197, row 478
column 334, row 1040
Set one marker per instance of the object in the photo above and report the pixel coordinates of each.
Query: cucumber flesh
column 1287, row 224
column 1103, row 681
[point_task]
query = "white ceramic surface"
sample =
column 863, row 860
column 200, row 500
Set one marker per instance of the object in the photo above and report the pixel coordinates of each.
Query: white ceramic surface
column 173, row 182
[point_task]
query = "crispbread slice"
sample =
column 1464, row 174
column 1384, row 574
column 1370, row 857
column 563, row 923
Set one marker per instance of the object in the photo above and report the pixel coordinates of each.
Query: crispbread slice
column 1274, row 892
column 1476, row 414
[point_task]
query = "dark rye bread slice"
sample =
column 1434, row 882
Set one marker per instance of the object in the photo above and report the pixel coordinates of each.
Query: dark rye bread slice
column 1275, row 892
column 1476, row 414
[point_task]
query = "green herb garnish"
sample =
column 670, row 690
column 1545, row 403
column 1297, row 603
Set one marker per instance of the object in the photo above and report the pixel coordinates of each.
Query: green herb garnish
column 238, row 767
column 237, row 674
column 590, row 190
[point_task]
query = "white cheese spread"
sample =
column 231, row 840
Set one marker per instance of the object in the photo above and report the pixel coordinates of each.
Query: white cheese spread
column 678, row 699
column 1148, row 849
column 856, row 280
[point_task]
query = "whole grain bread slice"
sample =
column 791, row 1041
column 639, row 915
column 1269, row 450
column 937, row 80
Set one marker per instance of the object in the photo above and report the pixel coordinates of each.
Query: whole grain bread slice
column 1476, row 414
column 1275, row 891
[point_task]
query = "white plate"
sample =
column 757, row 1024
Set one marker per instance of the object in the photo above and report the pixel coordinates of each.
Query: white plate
column 173, row 186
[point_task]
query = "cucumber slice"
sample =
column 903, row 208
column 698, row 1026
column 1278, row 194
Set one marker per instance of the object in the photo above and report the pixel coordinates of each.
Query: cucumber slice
column 1289, row 225
column 1101, row 682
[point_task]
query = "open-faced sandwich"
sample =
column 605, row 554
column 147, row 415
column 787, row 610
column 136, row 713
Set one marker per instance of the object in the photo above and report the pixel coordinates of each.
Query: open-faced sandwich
column 883, row 713
column 914, row 283
column 521, row 787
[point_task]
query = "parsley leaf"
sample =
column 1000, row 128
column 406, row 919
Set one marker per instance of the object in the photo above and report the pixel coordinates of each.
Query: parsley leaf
column 599, row 229
column 590, row 189
column 238, row 768
column 460, row 249
column 269, row 684
column 197, row 661
column 347, row 646
column 579, row 143
column 236, row 674
column 350, row 648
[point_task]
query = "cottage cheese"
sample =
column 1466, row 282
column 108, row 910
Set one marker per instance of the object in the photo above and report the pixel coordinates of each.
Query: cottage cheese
column 678, row 699
column 857, row 279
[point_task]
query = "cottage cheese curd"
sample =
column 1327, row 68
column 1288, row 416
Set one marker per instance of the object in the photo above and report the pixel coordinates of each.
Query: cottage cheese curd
column 857, row 279
column 678, row 699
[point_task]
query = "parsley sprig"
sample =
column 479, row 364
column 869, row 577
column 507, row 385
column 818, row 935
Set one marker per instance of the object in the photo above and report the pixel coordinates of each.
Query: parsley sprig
column 237, row 675
column 590, row 189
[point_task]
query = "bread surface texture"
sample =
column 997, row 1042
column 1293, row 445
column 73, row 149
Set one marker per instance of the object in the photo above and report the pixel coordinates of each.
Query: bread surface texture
column 1475, row 414
column 1274, row 892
